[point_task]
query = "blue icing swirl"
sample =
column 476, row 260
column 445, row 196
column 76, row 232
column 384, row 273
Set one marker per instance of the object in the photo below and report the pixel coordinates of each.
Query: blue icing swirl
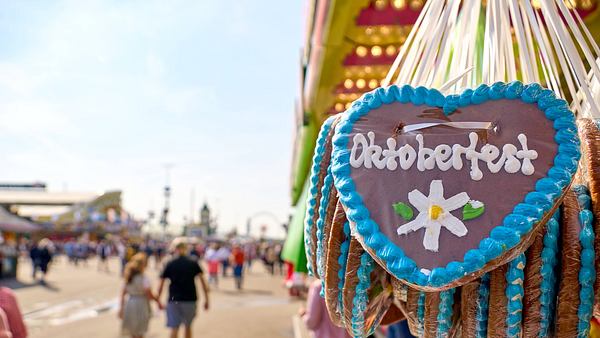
column 491, row 248
column 519, row 223
column 503, row 237
column 514, row 90
column 435, row 98
column 361, row 296
column 587, row 272
column 548, row 284
column 514, row 295
column 531, row 93
column 465, row 98
column 439, row 276
column 455, row 269
column 452, row 103
column 481, row 315
column 474, row 259
column 444, row 317
column 481, row 94
column 528, row 210
column 547, row 99
column 561, row 176
column 342, row 265
column 405, row 94
column 540, row 199
column 565, row 122
column 388, row 94
column 313, row 188
column 558, row 111
column 323, row 205
column 548, row 186
column 420, row 95
column 497, row 91
column 421, row 314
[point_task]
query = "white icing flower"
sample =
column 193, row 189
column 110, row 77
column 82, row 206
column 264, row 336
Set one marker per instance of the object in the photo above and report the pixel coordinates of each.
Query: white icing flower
column 476, row 204
column 434, row 212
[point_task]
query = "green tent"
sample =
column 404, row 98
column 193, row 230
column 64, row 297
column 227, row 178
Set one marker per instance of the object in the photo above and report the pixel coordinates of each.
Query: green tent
column 293, row 249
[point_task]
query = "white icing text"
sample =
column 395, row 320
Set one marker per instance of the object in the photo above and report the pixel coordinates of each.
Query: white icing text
column 368, row 154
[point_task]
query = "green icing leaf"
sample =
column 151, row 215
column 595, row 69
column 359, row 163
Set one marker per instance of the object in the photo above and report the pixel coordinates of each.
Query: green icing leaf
column 403, row 210
column 470, row 213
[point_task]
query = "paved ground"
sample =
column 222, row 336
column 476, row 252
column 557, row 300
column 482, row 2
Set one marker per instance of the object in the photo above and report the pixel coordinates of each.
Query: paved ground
column 82, row 302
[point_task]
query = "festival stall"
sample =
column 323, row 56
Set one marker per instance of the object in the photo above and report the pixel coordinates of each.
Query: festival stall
column 350, row 46
column 462, row 194
column 11, row 226
column 103, row 215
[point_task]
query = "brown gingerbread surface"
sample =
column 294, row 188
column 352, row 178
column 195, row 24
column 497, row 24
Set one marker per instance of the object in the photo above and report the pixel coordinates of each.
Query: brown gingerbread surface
column 381, row 188
column 380, row 293
column 332, row 266
column 325, row 161
column 568, row 290
column 497, row 303
column 590, row 140
column 468, row 308
column 533, row 280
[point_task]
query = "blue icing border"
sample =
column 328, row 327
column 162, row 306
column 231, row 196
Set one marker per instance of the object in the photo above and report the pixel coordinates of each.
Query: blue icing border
column 323, row 205
column 361, row 296
column 342, row 266
column 514, row 292
column 504, row 236
column 421, row 313
column 483, row 298
column 587, row 271
column 548, row 284
column 311, row 201
column 444, row 317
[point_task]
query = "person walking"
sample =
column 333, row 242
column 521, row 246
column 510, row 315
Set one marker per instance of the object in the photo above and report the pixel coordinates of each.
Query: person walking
column 270, row 259
column 14, row 317
column 4, row 326
column 103, row 251
column 135, row 310
column 44, row 257
column 237, row 261
column 316, row 317
column 181, row 272
column 223, row 253
column 212, row 261
column 34, row 255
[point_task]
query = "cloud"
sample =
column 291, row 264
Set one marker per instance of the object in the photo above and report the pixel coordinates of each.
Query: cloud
column 100, row 94
column 32, row 117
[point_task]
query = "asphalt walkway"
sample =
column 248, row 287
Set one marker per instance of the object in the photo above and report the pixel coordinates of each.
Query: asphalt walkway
column 82, row 302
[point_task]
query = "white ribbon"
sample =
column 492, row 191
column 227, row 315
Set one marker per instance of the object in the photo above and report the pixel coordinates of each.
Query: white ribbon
column 458, row 125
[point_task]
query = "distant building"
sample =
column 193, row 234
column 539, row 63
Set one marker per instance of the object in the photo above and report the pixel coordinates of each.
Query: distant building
column 67, row 212
column 206, row 226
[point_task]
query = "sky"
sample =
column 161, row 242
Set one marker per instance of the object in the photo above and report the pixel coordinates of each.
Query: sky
column 101, row 95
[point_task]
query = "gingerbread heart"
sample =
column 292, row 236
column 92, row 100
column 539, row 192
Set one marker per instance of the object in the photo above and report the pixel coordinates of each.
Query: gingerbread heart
column 441, row 189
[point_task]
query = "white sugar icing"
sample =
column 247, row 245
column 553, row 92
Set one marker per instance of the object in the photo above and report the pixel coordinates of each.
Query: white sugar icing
column 475, row 204
column 366, row 153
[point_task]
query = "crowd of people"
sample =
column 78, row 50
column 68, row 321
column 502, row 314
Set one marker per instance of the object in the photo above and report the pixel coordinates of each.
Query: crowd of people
column 179, row 262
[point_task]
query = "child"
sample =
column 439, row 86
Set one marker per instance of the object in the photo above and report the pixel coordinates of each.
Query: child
column 212, row 260
column 237, row 260
column 213, row 272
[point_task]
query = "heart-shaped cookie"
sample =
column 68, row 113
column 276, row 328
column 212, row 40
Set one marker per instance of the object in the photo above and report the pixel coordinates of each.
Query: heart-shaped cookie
column 318, row 174
column 441, row 189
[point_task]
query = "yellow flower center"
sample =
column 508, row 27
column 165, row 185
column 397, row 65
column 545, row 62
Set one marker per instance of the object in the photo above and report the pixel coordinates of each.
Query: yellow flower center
column 435, row 211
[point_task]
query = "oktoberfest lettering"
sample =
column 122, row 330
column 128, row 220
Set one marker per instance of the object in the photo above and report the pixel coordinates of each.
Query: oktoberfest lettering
column 366, row 153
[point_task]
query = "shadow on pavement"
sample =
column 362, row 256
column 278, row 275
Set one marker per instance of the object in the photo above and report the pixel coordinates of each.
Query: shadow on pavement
column 17, row 284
